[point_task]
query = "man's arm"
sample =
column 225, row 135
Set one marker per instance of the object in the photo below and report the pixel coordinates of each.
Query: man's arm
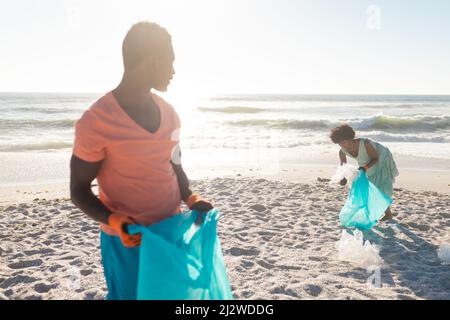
column 82, row 173
column 183, row 183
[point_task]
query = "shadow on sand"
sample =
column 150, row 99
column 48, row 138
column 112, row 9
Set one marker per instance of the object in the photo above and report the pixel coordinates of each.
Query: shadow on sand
column 410, row 262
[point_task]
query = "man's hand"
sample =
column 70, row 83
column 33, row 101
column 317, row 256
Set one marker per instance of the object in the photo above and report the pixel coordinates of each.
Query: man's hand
column 119, row 223
column 202, row 206
column 343, row 182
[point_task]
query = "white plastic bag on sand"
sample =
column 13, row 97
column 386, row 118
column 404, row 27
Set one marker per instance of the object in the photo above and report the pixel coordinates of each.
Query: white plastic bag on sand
column 444, row 253
column 352, row 248
column 346, row 171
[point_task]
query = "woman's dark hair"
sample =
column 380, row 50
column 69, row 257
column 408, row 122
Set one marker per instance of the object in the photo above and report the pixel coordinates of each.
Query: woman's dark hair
column 343, row 132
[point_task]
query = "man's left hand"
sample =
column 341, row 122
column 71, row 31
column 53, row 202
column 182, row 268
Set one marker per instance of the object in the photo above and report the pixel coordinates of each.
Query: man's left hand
column 202, row 206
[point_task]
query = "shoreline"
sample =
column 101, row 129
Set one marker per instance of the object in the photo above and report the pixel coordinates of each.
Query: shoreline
column 27, row 176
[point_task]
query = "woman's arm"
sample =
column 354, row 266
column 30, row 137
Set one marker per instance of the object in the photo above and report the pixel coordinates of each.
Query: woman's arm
column 343, row 157
column 373, row 154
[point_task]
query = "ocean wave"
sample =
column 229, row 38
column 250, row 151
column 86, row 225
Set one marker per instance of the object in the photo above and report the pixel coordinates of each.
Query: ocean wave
column 332, row 98
column 38, row 124
column 232, row 109
column 386, row 137
column 36, row 146
column 375, row 123
column 283, row 123
column 322, row 108
column 390, row 123
column 46, row 110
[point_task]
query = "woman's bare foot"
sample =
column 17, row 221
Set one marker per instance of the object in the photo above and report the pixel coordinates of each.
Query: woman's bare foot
column 388, row 215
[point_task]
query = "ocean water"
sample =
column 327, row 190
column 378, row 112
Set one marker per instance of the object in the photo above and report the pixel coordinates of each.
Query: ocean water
column 408, row 125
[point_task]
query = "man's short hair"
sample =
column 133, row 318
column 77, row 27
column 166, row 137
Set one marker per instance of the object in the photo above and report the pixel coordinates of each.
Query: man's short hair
column 142, row 40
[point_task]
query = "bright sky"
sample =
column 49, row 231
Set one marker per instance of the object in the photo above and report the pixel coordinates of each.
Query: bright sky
column 233, row 46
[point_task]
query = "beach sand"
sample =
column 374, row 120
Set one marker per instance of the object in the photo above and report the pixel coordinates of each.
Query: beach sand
column 278, row 237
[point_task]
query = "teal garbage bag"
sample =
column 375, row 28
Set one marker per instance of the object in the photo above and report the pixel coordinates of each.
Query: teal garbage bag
column 180, row 260
column 365, row 204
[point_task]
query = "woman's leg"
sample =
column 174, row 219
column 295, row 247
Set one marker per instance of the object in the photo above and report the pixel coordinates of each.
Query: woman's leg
column 387, row 214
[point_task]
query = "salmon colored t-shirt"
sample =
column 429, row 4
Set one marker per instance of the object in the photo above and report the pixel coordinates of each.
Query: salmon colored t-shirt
column 136, row 177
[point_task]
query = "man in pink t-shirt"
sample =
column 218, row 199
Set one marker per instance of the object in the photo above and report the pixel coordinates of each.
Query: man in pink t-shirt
column 129, row 141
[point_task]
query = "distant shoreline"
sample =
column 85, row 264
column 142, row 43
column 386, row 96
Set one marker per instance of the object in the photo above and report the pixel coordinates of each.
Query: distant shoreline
column 30, row 175
column 254, row 94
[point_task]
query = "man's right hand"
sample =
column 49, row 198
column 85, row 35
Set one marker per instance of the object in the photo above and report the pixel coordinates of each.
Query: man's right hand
column 119, row 222
column 343, row 182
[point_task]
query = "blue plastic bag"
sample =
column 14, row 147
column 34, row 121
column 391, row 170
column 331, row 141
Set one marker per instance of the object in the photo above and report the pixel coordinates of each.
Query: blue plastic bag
column 365, row 204
column 179, row 260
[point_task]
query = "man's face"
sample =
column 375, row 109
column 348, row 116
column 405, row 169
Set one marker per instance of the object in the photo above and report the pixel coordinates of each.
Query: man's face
column 164, row 71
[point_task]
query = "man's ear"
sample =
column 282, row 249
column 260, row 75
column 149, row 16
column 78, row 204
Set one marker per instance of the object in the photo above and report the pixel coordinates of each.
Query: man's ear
column 150, row 64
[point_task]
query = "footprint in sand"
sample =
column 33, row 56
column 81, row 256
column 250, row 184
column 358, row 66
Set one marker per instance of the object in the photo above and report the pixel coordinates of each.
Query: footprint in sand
column 55, row 267
column 285, row 291
column 247, row 294
column 258, row 207
column 235, row 251
column 312, row 258
column 43, row 288
column 247, row 264
column 67, row 207
column 33, row 297
column 25, row 264
column 312, row 290
column 86, row 272
column 89, row 228
column 18, row 279
column 421, row 227
column 93, row 296
column 68, row 257
column 76, row 262
column 44, row 251
column 265, row 233
column 8, row 293
column 239, row 237
column 265, row 264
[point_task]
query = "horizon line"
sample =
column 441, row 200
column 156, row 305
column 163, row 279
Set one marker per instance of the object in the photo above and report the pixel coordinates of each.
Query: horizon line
column 246, row 93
